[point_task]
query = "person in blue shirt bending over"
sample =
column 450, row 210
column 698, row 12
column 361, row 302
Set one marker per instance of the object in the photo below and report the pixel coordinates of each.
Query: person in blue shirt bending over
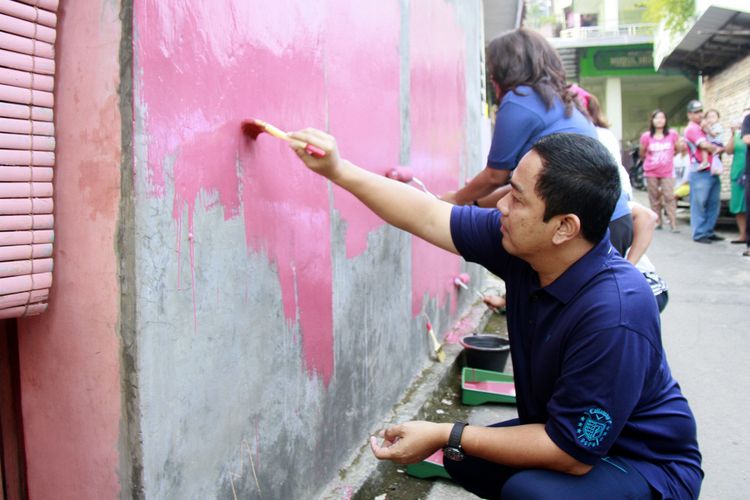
column 599, row 413
column 534, row 100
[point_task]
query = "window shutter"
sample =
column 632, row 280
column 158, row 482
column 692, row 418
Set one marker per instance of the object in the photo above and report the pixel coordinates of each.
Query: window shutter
column 27, row 154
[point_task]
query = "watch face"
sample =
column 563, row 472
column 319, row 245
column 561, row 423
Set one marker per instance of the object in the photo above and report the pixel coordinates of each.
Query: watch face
column 452, row 453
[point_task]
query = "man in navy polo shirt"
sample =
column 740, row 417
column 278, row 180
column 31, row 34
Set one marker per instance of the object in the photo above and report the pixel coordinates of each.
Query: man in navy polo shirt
column 600, row 415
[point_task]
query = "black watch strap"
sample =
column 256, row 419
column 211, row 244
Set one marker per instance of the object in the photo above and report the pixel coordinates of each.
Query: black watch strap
column 454, row 440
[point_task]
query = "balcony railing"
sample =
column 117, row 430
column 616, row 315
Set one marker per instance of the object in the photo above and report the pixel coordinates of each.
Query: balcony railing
column 595, row 32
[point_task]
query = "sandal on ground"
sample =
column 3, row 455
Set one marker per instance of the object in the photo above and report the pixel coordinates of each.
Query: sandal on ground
column 746, row 253
column 736, row 242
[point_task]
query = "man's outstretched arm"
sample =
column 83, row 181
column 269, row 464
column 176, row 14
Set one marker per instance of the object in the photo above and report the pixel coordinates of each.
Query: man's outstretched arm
column 396, row 203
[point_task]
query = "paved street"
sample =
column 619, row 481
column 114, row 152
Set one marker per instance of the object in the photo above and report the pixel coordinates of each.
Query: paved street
column 707, row 338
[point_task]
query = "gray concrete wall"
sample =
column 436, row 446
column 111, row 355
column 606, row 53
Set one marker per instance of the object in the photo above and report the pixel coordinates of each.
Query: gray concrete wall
column 233, row 399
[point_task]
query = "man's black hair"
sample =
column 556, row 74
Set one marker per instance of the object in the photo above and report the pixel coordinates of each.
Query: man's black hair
column 578, row 176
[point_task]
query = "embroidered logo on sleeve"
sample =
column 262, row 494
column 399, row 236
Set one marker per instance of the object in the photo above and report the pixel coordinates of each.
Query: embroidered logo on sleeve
column 593, row 427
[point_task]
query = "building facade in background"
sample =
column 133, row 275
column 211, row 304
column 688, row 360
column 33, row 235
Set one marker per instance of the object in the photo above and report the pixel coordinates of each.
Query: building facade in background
column 608, row 49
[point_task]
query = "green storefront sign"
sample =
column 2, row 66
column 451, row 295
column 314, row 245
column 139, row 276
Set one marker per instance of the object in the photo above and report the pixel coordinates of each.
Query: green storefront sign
column 617, row 61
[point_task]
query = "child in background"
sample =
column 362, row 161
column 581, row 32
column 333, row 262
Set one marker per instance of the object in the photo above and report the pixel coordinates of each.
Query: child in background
column 714, row 132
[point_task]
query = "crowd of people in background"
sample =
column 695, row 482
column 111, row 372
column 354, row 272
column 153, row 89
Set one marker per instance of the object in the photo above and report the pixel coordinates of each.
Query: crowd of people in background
column 689, row 166
column 676, row 166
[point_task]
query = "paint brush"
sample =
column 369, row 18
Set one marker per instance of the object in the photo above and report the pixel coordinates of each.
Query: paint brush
column 253, row 128
column 437, row 347
column 462, row 280
column 405, row 175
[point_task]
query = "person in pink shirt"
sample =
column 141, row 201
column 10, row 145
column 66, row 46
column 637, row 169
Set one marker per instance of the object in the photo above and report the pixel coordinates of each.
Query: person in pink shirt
column 657, row 149
column 705, row 185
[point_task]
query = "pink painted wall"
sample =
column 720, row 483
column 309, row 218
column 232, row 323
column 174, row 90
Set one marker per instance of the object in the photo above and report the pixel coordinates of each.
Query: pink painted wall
column 244, row 69
column 69, row 356
column 203, row 69
column 200, row 68
column 438, row 113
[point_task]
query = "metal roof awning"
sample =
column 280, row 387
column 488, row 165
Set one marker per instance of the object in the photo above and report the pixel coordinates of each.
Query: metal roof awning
column 719, row 38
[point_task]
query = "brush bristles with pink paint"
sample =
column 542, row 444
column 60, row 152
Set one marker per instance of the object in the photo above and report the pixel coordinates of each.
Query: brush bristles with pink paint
column 462, row 280
column 253, row 128
column 437, row 347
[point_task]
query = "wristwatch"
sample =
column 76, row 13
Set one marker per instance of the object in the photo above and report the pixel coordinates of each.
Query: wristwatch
column 453, row 450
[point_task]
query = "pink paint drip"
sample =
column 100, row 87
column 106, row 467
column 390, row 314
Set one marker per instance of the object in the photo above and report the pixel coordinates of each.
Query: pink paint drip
column 348, row 493
column 438, row 116
column 467, row 325
column 205, row 67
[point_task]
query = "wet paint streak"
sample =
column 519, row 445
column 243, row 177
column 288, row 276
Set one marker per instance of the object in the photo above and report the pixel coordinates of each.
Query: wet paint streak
column 438, row 116
column 362, row 89
column 468, row 324
column 204, row 166
column 201, row 69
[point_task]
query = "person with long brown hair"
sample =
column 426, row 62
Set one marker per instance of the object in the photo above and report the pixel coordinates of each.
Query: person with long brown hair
column 657, row 148
column 533, row 101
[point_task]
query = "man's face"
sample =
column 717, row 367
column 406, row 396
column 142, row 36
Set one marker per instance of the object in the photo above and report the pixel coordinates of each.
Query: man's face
column 696, row 116
column 525, row 233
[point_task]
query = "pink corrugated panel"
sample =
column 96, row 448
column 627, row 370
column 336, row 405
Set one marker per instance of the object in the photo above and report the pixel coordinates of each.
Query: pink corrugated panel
column 25, row 174
column 26, row 79
column 13, row 126
column 25, row 45
column 21, row 206
column 20, row 267
column 22, row 95
column 27, row 153
column 30, row 310
column 36, row 158
column 25, row 190
column 24, row 222
column 28, row 13
column 23, row 62
column 8, row 238
column 10, row 110
column 50, row 5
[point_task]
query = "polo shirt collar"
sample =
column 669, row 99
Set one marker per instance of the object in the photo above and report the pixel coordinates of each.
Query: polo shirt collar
column 567, row 285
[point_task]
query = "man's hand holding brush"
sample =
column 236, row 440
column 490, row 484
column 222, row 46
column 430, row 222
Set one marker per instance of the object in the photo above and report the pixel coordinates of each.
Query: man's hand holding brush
column 330, row 165
column 393, row 201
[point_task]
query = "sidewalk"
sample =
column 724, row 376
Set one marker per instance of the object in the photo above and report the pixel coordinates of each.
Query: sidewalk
column 707, row 341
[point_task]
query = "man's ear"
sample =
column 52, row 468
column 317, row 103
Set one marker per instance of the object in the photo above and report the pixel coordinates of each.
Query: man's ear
column 567, row 227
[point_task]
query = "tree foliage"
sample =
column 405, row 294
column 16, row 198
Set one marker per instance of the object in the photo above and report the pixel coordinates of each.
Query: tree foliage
column 676, row 14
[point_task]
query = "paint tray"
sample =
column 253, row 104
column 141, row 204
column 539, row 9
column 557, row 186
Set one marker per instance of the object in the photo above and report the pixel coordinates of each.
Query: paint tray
column 431, row 466
column 485, row 386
